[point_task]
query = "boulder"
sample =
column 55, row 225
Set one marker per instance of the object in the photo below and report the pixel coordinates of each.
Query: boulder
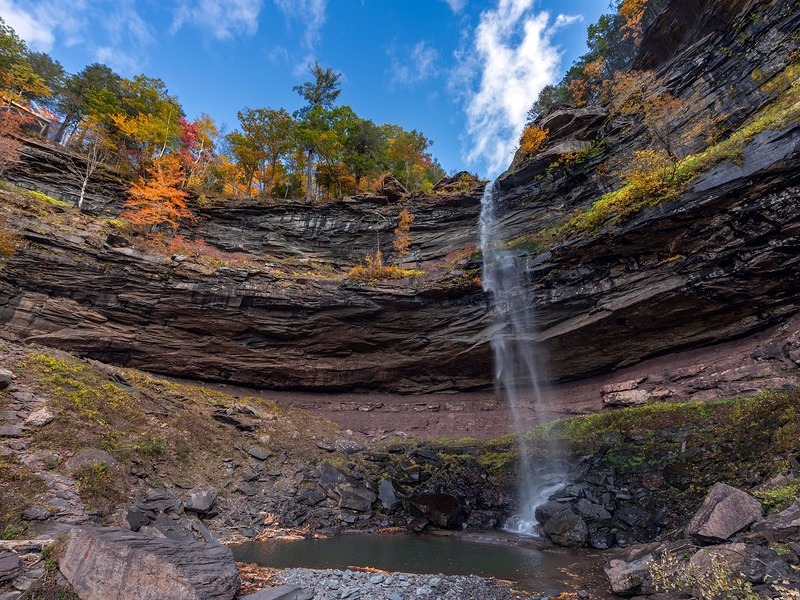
column 355, row 497
column 387, row 494
column 116, row 563
column 725, row 511
column 548, row 510
column 39, row 418
column 259, row 453
column 200, row 501
column 592, row 511
column 566, row 529
column 392, row 189
column 330, row 476
column 443, row 510
column 90, row 457
column 134, row 518
column 754, row 563
column 6, row 377
column 628, row 578
column 166, row 527
column 785, row 523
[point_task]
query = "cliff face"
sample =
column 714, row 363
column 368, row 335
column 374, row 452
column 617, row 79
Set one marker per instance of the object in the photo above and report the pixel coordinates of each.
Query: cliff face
column 715, row 264
column 73, row 289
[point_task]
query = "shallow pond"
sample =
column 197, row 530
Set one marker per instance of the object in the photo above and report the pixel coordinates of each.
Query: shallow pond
column 537, row 569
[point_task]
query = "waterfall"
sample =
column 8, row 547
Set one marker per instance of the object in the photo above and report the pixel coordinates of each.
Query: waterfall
column 518, row 369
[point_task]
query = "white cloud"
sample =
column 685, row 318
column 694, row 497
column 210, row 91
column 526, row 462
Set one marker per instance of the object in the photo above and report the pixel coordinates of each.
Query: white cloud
column 566, row 20
column 456, row 5
column 417, row 65
column 513, row 55
column 222, row 19
column 309, row 12
column 38, row 23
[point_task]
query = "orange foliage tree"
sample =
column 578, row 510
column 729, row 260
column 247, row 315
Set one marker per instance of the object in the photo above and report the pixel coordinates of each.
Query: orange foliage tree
column 532, row 139
column 632, row 12
column 402, row 239
column 157, row 198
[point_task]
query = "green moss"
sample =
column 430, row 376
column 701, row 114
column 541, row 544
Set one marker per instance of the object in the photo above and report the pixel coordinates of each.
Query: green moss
column 44, row 198
column 674, row 179
column 777, row 499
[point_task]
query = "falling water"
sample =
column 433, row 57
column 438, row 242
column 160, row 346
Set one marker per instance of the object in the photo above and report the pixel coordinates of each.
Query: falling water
column 518, row 372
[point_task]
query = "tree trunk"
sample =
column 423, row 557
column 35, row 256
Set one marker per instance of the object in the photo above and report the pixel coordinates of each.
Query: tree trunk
column 83, row 192
column 309, row 176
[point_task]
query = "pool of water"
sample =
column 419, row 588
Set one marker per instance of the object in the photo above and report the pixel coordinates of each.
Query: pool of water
column 534, row 569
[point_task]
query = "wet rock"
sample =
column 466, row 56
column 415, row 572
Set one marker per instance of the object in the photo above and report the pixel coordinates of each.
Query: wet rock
column 116, row 563
column 566, row 529
column 725, row 511
column 200, row 501
column 548, row 510
column 443, row 510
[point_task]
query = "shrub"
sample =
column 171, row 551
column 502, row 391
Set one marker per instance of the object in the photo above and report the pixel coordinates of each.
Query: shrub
column 402, row 239
column 671, row 574
column 373, row 268
column 532, row 139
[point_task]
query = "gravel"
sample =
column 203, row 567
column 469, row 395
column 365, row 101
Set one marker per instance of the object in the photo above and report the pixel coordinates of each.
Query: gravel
column 330, row 584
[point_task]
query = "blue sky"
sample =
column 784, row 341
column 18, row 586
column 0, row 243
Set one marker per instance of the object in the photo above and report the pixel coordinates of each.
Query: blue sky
column 463, row 72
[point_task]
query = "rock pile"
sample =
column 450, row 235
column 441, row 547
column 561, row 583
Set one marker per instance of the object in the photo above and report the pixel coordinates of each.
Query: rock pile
column 726, row 538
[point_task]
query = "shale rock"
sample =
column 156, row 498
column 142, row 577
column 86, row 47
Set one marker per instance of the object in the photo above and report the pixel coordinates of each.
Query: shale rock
column 116, row 563
column 200, row 501
column 725, row 511
column 10, row 565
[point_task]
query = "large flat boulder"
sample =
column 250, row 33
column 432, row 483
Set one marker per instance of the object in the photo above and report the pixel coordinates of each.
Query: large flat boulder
column 725, row 510
column 102, row 563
